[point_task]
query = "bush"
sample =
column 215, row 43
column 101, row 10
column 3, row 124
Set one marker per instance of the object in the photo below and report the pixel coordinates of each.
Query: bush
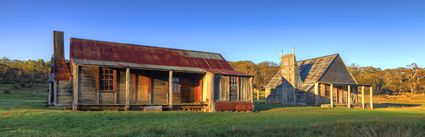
column 6, row 91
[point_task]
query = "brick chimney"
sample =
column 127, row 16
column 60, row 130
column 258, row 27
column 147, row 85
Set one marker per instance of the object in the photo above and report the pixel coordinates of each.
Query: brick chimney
column 60, row 67
column 290, row 69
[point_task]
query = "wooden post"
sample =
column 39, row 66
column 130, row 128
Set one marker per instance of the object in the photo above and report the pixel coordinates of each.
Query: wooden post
column 316, row 93
column 127, row 89
column 349, row 96
column 238, row 96
column 251, row 90
column 209, row 87
column 332, row 95
column 75, row 87
column 55, row 92
column 170, row 89
column 363, row 97
column 50, row 94
column 371, row 96
column 282, row 101
column 258, row 95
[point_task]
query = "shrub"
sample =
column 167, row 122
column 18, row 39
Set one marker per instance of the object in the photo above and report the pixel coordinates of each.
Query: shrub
column 6, row 91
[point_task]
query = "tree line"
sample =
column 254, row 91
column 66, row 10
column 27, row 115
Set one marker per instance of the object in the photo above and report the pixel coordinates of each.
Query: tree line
column 409, row 79
column 15, row 71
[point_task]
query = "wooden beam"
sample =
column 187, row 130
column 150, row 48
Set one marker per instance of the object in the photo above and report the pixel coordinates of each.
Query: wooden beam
column 316, row 93
column 170, row 89
column 349, row 96
column 55, row 92
column 283, row 94
column 251, row 89
column 115, row 85
column 97, row 78
column 127, row 89
column 371, row 96
column 363, row 97
column 210, row 90
column 258, row 95
column 332, row 95
column 75, row 87
column 50, row 94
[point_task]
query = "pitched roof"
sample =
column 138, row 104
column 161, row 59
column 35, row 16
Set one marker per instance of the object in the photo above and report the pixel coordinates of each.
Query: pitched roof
column 86, row 50
column 275, row 81
column 311, row 70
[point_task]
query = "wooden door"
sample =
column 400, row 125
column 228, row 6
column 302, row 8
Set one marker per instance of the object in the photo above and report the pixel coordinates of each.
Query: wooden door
column 144, row 88
column 159, row 91
column 198, row 94
column 340, row 96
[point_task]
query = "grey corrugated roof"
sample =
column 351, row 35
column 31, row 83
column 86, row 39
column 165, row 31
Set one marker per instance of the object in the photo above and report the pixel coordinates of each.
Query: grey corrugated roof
column 275, row 81
column 311, row 70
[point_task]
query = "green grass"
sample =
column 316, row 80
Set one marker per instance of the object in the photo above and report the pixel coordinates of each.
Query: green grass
column 24, row 114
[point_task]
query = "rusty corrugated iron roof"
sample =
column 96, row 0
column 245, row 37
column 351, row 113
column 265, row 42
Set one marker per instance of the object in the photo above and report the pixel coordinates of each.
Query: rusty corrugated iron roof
column 226, row 72
column 140, row 54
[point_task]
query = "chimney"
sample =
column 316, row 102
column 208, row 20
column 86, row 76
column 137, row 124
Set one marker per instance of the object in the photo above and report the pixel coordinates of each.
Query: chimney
column 58, row 45
column 290, row 70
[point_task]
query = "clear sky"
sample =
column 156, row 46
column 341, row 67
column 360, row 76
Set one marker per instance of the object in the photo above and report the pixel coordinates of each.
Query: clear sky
column 380, row 33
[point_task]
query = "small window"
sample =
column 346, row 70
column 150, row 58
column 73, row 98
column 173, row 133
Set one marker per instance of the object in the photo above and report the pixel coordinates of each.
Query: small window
column 233, row 81
column 106, row 79
column 176, row 86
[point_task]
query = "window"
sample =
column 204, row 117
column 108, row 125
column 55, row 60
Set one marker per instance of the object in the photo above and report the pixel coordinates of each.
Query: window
column 176, row 87
column 106, row 79
column 233, row 81
column 233, row 89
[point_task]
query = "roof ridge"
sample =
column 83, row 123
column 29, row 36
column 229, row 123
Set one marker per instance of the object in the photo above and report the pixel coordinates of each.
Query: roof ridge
column 139, row 45
column 319, row 57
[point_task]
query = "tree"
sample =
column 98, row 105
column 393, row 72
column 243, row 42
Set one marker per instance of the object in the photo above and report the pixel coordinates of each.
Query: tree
column 262, row 72
column 414, row 77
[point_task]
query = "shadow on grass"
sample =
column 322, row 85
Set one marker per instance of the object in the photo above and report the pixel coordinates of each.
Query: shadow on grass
column 394, row 105
column 264, row 107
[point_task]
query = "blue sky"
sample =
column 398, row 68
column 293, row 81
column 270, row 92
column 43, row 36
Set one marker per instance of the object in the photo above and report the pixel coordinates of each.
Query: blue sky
column 380, row 33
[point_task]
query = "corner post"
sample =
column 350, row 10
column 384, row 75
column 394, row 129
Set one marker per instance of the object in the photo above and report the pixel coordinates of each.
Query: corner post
column 363, row 97
column 371, row 96
column 75, row 87
column 332, row 95
column 210, row 77
column 316, row 93
column 349, row 96
column 251, row 90
column 127, row 89
column 170, row 89
column 258, row 95
column 55, row 92
column 50, row 94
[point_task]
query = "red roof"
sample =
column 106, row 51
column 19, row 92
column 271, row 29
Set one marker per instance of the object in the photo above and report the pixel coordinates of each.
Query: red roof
column 141, row 54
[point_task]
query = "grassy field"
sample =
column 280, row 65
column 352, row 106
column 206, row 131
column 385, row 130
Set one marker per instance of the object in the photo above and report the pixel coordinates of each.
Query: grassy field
column 23, row 113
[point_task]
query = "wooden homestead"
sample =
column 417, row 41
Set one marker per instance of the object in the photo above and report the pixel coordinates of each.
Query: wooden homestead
column 318, row 81
column 109, row 75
